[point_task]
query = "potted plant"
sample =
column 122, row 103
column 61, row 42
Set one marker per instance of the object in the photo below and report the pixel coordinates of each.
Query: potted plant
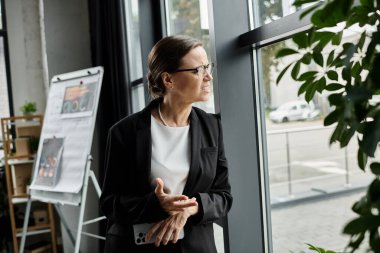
column 350, row 73
column 28, row 108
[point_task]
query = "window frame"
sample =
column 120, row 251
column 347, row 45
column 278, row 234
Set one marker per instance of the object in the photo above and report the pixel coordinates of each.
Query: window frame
column 4, row 34
column 257, row 38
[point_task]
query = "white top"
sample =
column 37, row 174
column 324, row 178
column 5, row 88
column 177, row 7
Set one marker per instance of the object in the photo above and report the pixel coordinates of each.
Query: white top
column 170, row 156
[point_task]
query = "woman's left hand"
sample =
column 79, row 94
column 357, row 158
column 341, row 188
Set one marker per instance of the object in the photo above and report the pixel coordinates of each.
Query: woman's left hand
column 170, row 228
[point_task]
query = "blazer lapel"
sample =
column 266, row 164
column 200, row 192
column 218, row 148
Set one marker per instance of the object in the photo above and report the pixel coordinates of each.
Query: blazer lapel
column 144, row 149
column 195, row 143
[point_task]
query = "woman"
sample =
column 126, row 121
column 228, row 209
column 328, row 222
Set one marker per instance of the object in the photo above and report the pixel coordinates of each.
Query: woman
column 165, row 165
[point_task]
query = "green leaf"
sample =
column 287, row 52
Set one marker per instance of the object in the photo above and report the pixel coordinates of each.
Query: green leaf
column 311, row 91
column 321, row 84
column 346, row 137
column 332, row 75
column 356, row 94
column 332, row 118
column 336, row 135
column 362, row 40
column 361, row 224
column 319, row 19
column 321, row 36
column 359, row 14
column 282, row 73
column 296, row 70
column 285, row 52
column 373, row 193
column 375, row 168
column 301, row 2
column 311, row 35
column 374, row 240
column 309, row 75
column 362, row 159
column 330, row 58
column 346, row 75
column 335, row 99
column 334, row 86
column 301, row 40
column 317, row 249
column 303, row 87
column 362, row 206
column 355, row 242
column 318, row 58
column 306, row 59
column 337, row 38
column 348, row 51
column 309, row 10
column 371, row 137
column 367, row 3
column 356, row 69
column 375, row 73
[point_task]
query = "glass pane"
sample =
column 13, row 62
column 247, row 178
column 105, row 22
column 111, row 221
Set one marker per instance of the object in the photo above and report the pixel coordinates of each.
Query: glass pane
column 138, row 98
column 133, row 39
column 302, row 165
column 4, row 102
column 190, row 17
column 271, row 10
column 1, row 16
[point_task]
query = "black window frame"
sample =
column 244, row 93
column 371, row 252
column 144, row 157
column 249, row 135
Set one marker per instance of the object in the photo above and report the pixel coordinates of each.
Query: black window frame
column 4, row 35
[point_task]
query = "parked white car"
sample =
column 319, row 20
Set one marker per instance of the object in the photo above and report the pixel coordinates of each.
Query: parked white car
column 294, row 110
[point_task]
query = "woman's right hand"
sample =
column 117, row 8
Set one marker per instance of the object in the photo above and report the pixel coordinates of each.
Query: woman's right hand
column 172, row 203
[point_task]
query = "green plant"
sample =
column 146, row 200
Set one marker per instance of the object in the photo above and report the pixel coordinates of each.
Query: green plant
column 350, row 72
column 317, row 249
column 28, row 107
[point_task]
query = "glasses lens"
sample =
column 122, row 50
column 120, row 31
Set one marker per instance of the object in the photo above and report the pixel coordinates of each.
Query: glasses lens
column 202, row 70
column 209, row 68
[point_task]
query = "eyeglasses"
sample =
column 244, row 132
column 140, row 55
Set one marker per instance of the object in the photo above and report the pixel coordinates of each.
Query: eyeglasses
column 200, row 70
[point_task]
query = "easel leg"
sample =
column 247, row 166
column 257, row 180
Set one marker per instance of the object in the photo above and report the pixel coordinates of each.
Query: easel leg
column 25, row 226
column 82, row 205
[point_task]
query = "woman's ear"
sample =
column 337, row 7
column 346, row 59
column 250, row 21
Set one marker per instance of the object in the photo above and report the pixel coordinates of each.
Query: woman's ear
column 167, row 80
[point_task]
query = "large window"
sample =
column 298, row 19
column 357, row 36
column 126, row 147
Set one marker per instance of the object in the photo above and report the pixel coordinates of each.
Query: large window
column 4, row 99
column 134, row 54
column 190, row 17
column 271, row 10
column 305, row 172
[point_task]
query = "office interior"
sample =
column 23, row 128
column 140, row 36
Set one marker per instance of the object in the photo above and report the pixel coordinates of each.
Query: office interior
column 279, row 181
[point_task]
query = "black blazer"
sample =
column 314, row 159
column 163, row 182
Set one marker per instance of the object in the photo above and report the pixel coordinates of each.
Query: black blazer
column 128, row 198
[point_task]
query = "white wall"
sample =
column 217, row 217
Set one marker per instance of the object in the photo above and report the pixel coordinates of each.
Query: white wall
column 25, row 53
column 67, row 35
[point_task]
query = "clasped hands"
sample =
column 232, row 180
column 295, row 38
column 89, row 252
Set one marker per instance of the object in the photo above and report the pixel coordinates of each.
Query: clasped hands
column 179, row 207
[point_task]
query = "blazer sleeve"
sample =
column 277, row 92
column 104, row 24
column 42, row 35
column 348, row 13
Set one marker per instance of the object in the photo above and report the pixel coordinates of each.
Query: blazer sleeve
column 216, row 202
column 121, row 200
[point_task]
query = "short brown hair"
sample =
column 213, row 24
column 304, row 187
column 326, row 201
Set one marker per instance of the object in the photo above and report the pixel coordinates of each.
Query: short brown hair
column 165, row 56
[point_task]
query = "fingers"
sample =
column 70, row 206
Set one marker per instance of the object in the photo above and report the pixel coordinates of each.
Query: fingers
column 153, row 230
column 159, row 187
column 184, row 203
column 160, row 234
column 175, row 236
column 168, row 235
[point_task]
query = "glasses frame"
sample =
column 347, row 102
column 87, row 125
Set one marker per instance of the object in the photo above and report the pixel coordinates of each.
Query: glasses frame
column 197, row 70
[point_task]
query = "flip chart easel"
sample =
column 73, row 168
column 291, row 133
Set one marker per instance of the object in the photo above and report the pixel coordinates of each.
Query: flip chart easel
column 70, row 117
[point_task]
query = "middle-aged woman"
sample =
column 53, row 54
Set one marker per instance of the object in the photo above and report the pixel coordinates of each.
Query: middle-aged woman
column 165, row 165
